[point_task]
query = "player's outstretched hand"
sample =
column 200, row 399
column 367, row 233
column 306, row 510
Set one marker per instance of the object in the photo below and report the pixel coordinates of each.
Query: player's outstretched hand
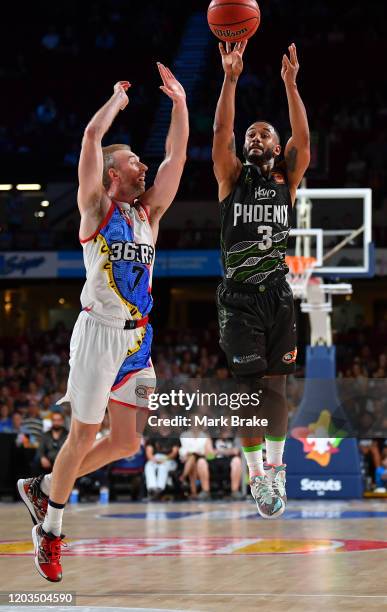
column 171, row 86
column 290, row 66
column 232, row 58
column 120, row 90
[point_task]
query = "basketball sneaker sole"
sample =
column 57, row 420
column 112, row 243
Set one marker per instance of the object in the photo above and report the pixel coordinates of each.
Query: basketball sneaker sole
column 24, row 498
column 273, row 517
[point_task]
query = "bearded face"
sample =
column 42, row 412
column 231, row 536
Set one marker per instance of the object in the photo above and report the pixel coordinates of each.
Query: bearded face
column 261, row 144
column 259, row 156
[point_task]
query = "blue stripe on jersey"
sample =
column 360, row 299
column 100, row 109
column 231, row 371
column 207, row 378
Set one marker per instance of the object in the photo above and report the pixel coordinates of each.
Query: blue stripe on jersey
column 139, row 360
column 131, row 278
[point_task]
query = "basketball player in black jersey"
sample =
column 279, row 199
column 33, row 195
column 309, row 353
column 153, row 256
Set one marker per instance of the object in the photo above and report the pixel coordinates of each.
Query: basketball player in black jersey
column 255, row 303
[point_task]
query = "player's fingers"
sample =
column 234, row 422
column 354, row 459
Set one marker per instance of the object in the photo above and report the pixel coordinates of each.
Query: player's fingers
column 165, row 90
column 286, row 61
column 243, row 46
column 228, row 47
column 293, row 55
column 169, row 72
column 221, row 49
column 162, row 72
column 160, row 67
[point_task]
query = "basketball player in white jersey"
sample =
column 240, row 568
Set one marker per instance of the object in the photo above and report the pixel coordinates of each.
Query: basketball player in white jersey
column 110, row 361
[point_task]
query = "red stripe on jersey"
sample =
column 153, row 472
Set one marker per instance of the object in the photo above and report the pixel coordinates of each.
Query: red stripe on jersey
column 125, row 379
column 101, row 226
column 146, row 211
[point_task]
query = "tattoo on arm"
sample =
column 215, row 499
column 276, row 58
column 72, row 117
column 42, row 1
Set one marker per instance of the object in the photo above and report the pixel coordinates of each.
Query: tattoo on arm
column 231, row 146
column 291, row 159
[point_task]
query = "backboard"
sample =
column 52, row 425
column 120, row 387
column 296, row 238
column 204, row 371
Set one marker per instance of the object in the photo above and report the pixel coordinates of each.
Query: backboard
column 335, row 227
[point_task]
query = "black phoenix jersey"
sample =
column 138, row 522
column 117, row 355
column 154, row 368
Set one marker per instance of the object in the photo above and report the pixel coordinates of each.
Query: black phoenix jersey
column 255, row 226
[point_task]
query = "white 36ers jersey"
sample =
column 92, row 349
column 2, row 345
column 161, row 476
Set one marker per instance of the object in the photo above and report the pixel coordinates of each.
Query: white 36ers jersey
column 119, row 260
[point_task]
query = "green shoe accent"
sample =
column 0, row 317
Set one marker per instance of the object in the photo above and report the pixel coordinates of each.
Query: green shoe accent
column 252, row 449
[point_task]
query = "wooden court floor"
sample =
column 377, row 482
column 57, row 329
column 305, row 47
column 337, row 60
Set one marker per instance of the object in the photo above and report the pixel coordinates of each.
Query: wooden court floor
column 206, row 557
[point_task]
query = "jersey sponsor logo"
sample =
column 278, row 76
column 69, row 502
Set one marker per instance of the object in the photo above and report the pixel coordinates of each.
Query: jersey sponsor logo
column 130, row 251
column 264, row 194
column 279, row 178
column 258, row 213
column 290, row 357
column 143, row 392
column 245, row 358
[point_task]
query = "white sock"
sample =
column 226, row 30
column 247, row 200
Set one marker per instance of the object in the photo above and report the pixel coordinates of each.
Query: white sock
column 254, row 459
column 274, row 451
column 45, row 484
column 53, row 519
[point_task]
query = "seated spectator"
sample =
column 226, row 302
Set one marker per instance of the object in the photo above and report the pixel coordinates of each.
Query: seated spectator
column 161, row 453
column 52, row 441
column 34, row 394
column 33, row 424
column 5, row 418
column 22, row 439
column 195, row 445
column 370, row 454
column 227, row 461
column 381, row 473
column 50, row 357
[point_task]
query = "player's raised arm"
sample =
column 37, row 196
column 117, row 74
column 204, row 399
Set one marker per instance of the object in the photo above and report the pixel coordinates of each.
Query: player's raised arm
column 161, row 195
column 226, row 164
column 90, row 169
column 297, row 150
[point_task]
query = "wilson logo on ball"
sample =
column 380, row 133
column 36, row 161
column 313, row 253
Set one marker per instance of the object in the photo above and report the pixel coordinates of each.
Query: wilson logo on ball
column 233, row 20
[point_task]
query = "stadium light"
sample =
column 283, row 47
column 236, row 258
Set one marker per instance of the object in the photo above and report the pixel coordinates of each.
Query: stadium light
column 28, row 187
column 6, row 187
column 39, row 214
column 44, row 203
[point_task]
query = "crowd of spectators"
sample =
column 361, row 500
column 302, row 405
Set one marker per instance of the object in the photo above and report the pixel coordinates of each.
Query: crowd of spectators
column 75, row 52
column 33, row 375
column 70, row 55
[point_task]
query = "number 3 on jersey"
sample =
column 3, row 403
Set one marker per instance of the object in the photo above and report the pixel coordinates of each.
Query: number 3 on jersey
column 266, row 231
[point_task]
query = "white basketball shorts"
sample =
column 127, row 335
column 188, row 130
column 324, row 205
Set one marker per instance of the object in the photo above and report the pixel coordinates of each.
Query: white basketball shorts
column 108, row 364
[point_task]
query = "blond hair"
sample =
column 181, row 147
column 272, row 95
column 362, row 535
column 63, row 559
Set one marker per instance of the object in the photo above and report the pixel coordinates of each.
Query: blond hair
column 109, row 161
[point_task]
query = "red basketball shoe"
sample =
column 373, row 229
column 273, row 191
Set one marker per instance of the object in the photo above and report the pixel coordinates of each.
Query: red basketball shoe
column 33, row 497
column 47, row 554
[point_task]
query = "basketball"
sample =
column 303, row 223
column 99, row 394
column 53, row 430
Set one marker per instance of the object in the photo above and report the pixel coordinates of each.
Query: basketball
column 233, row 20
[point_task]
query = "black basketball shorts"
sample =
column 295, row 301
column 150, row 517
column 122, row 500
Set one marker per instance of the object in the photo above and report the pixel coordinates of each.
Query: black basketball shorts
column 258, row 330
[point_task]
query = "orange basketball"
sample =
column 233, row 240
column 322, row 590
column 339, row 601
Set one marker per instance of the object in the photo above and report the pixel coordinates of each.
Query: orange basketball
column 233, row 20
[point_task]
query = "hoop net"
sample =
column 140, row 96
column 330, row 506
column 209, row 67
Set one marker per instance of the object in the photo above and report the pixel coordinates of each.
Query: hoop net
column 300, row 271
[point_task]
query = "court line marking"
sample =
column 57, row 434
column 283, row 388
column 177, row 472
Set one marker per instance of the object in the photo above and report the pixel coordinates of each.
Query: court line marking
column 88, row 609
column 221, row 594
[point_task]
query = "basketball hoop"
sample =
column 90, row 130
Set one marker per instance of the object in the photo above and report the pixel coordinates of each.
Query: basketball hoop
column 300, row 271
